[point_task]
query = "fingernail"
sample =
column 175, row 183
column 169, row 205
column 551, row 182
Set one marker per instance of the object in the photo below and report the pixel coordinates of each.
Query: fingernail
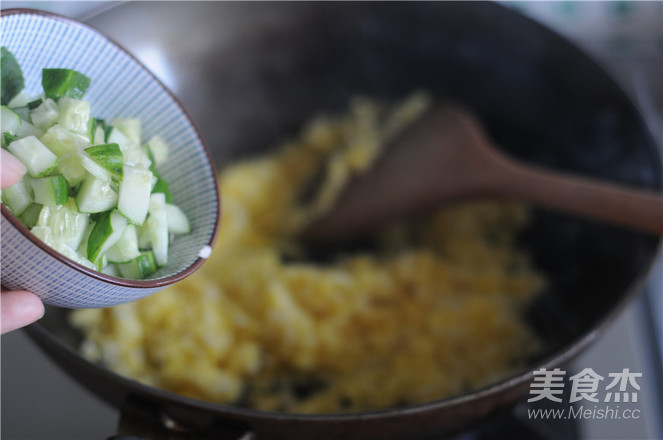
column 11, row 167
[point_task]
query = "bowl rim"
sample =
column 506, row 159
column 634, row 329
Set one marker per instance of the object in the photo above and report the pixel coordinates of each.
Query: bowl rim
column 117, row 281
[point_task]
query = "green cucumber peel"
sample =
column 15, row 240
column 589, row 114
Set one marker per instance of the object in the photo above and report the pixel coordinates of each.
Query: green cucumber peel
column 11, row 76
column 100, row 233
column 64, row 82
column 51, row 191
column 34, row 104
column 8, row 138
column 108, row 156
column 162, row 187
column 142, row 266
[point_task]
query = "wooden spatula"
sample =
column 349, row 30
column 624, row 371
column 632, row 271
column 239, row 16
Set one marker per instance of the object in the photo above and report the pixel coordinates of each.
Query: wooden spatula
column 445, row 156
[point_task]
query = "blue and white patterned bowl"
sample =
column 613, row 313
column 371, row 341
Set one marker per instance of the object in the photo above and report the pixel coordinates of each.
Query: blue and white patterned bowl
column 120, row 86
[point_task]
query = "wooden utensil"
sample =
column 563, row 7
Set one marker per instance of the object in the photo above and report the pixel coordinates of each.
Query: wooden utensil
column 446, row 156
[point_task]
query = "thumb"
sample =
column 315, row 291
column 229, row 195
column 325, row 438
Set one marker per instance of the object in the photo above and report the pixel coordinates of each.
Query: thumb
column 12, row 169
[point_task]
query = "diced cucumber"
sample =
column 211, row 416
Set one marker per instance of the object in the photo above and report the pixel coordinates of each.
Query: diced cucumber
column 9, row 119
column 70, row 166
column 36, row 157
column 140, row 267
column 107, row 199
column 126, row 248
column 178, row 223
column 154, row 233
column 30, row 215
column 99, row 136
column 50, row 191
column 18, row 197
column 159, row 150
column 108, row 156
column 23, row 112
column 135, row 155
column 74, row 115
column 27, row 129
column 106, row 232
column 11, row 77
column 46, row 115
column 95, row 195
column 45, row 234
column 20, row 100
column 134, row 195
column 93, row 167
column 111, row 270
column 115, row 136
column 82, row 248
column 130, row 127
column 67, row 225
column 62, row 141
column 58, row 83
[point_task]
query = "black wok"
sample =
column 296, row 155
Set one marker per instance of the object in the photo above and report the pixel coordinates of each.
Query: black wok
column 252, row 74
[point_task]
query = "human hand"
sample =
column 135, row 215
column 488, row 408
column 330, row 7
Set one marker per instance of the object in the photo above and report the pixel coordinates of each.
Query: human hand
column 17, row 308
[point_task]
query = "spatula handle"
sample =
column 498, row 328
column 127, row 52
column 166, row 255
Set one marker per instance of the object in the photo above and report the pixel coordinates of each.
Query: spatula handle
column 639, row 209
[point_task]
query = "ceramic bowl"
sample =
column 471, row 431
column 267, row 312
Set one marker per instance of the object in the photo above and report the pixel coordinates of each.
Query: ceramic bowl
column 120, row 86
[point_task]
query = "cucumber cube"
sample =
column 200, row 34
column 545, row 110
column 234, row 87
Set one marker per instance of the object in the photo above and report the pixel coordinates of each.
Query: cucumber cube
column 18, row 197
column 62, row 141
column 67, row 225
column 95, row 195
column 140, row 267
column 10, row 121
column 45, row 234
column 74, row 115
column 36, row 157
column 31, row 215
column 115, row 136
column 20, row 100
column 155, row 230
column 27, row 129
column 178, row 223
column 130, row 127
column 136, row 156
column 126, row 248
column 46, row 115
column 50, row 191
column 71, row 167
column 159, row 150
column 134, row 195
column 106, row 232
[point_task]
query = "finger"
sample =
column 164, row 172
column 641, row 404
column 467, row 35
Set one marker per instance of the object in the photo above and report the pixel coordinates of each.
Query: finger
column 12, row 169
column 18, row 309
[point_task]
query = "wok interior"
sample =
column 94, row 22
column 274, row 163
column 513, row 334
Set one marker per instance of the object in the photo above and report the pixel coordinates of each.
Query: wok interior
column 538, row 98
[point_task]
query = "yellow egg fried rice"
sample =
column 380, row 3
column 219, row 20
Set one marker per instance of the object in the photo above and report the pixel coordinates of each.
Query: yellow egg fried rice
column 435, row 310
